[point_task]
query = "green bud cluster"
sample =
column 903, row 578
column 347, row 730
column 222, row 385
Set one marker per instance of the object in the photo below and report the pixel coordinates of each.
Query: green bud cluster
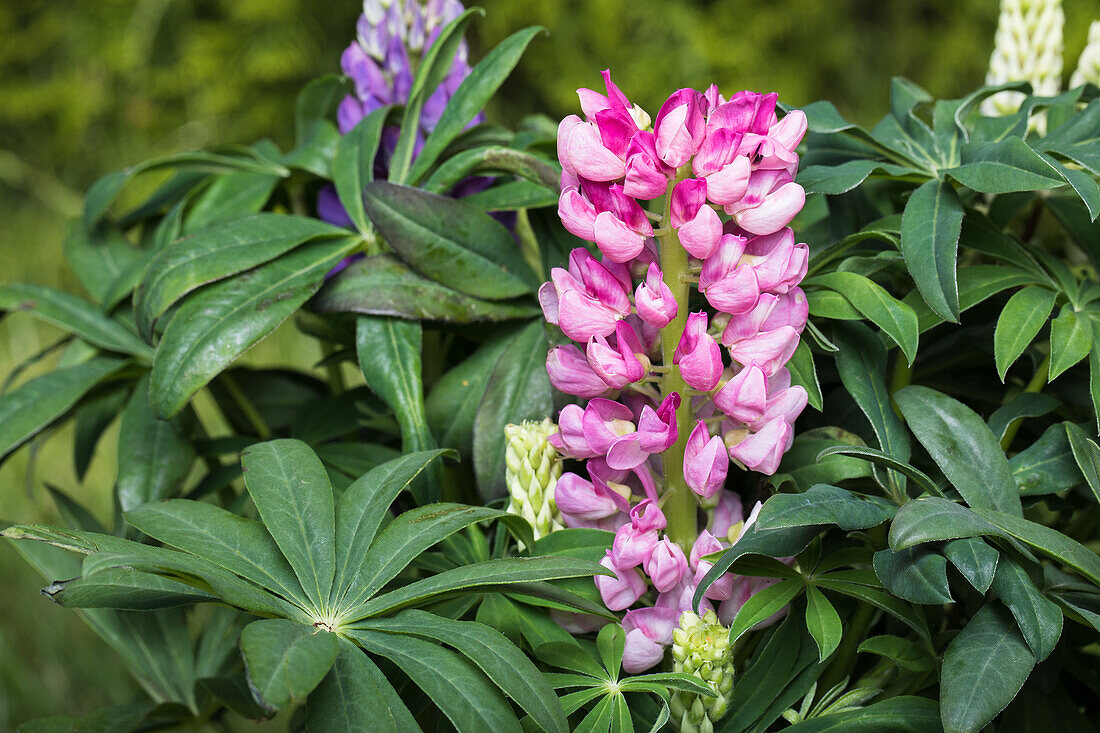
column 701, row 647
column 532, row 469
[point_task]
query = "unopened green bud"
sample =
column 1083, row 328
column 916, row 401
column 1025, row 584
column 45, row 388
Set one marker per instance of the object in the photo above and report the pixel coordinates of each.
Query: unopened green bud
column 701, row 647
column 1088, row 66
column 532, row 469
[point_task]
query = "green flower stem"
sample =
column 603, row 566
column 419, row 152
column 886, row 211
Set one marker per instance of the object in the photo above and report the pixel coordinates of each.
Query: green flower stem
column 678, row 503
column 1038, row 381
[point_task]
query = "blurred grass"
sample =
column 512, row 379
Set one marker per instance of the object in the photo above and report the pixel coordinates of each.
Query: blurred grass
column 94, row 85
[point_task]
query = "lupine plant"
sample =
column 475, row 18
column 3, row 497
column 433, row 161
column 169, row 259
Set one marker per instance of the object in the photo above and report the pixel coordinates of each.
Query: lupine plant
column 733, row 417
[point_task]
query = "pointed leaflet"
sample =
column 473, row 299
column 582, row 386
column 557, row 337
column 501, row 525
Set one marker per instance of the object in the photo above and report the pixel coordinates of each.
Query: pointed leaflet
column 356, row 696
column 239, row 545
column 1070, row 340
column 930, row 229
column 34, row 405
column 519, row 389
column 497, row 657
column 291, row 491
column 896, row 319
column 1025, row 404
column 1087, row 455
column 914, row 574
column 763, row 605
column 389, row 356
column 963, row 446
column 902, row 714
column 353, row 165
column 450, row 241
column 454, row 684
column 975, row 559
column 217, row 252
column 154, row 456
column 228, row 197
column 75, row 315
column 285, row 660
column 983, row 669
column 823, row 622
column 124, row 590
column 1039, row 618
column 215, row 326
column 1019, row 323
column 99, row 258
column 902, row 652
column 451, row 406
column 471, row 97
column 824, row 504
column 933, row 519
column 804, row 373
column 361, row 509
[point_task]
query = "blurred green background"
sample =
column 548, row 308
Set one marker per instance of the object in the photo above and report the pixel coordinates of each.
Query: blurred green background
column 89, row 86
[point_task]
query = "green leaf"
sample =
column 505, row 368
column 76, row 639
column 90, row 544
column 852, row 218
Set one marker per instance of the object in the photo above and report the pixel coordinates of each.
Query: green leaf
column 930, row 229
column 100, row 258
column 804, row 373
column 983, row 669
column 25, row 411
column 976, row 284
column 435, row 65
column 904, row 612
column 1019, row 323
column 461, row 691
column 218, row 324
column 914, row 574
column 75, row 315
column 154, row 456
column 360, row 511
column 764, row 604
column 382, row 285
column 492, row 159
column 315, row 105
column 1087, row 455
column 975, row 559
column 902, row 714
column 285, row 660
column 451, row 406
column 389, row 356
column 1070, row 340
column 513, row 195
column 228, row 197
column 1049, row 541
column 933, row 519
column 491, row 575
column 1046, row 466
column 1025, row 404
column 833, row 180
column 877, row 457
column 217, row 252
column 518, row 390
column 353, row 165
column 450, row 241
column 125, row 590
column 497, row 657
column 1039, row 619
column 356, row 696
column 610, row 643
column 901, row 652
column 241, row 546
column 472, row 95
column 1004, row 167
column 895, row 318
column 963, row 446
column 824, row 504
column 290, row 489
column 823, row 622
column 1076, row 138
column 861, row 362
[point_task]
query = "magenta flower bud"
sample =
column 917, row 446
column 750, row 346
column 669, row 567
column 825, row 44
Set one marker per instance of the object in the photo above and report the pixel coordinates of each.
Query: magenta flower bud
column 789, row 131
column 761, row 450
column 770, row 202
column 648, row 632
column 666, row 565
column 634, row 541
column 657, row 428
column 698, row 355
column 593, row 102
column 654, row 300
column 647, row 516
column 705, row 462
column 577, row 214
column 622, row 591
column 751, row 323
column 679, row 128
column 727, row 513
column 604, row 421
column 616, row 129
column 607, row 281
column 618, row 366
column 767, row 154
column 647, row 176
column 570, row 440
column 769, row 349
column 705, row 544
column 570, row 373
column 791, row 309
column 745, row 397
column 580, row 498
column 587, row 307
column 746, row 112
column 581, row 151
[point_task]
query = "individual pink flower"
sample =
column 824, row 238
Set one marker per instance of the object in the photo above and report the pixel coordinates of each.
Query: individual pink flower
column 745, row 396
column 634, row 542
column 654, row 300
column 778, row 262
column 570, row 373
column 647, row 177
column 698, row 355
column 770, row 202
column 587, row 306
column 761, row 449
column 577, row 213
column 622, row 591
column 705, row 462
column 581, row 151
column 618, row 365
column 648, row 632
column 727, row 285
column 583, row 499
column 665, row 565
column 698, row 225
column 656, row 432
column 728, row 514
column 570, row 440
column 707, row 544
column 679, row 128
column 605, row 421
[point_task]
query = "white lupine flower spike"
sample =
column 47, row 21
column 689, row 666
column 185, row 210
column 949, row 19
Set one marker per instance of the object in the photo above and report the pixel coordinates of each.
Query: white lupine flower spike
column 1088, row 66
column 1027, row 47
